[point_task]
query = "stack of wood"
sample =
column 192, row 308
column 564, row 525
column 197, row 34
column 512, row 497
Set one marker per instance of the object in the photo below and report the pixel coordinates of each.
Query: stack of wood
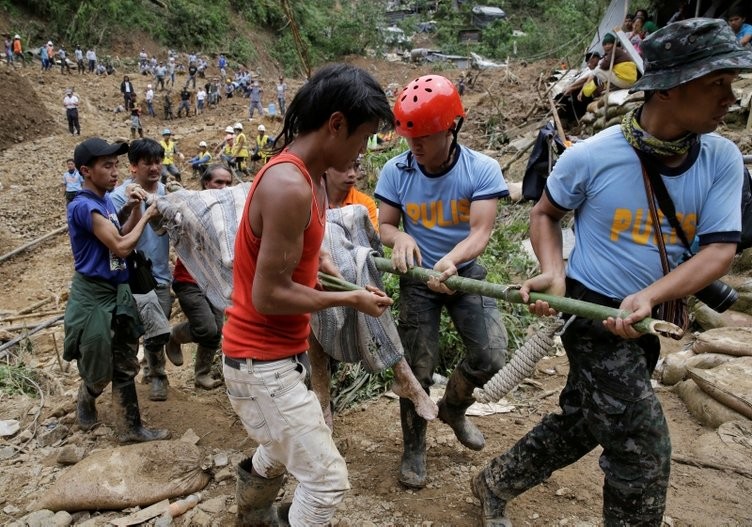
column 601, row 115
column 713, row 375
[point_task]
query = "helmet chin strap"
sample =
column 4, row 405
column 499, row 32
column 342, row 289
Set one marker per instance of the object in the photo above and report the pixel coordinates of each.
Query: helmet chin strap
column 453, row 147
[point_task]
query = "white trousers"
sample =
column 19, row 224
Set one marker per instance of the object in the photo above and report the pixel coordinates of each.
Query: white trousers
column 285, row 419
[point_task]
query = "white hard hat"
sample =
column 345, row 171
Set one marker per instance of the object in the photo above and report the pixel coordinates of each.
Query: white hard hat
column 17, row 36
column 229, row 130
column 49, row 42
column 202, row 143
column 261, row 128
column 148, row 86
column 238, row 126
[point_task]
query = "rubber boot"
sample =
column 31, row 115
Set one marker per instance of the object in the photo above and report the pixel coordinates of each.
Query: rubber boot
column 492, row 507
column 413, row 466
column 135, row 431
column 254, row 496
column 180, row 334
column 202, row 368
column 457, row 398
column 155, row 358
column 86, row 408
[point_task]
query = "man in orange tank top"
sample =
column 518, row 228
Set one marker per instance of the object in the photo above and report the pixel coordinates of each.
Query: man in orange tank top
column 277, row 257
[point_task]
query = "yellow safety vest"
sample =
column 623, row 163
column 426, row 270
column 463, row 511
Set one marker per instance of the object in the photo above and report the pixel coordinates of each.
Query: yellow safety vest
column 241, row 146
column 169, row 152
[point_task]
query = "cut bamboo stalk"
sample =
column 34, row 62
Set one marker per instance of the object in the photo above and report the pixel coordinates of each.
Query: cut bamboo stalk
column 509, row 293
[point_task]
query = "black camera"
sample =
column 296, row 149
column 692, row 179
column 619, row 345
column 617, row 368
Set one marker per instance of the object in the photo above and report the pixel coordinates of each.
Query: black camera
column 718, row 296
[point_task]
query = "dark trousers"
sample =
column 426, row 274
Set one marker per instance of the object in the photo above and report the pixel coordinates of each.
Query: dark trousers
column 475, row 317
column 608, row 400
column 73, row 125
column 205, row 320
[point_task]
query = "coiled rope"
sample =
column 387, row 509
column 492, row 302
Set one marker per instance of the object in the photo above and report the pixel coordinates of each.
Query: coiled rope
column 522, row 365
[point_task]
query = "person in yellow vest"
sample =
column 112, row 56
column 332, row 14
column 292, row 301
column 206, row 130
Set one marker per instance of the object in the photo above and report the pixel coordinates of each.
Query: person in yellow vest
column 261, row 151
column 240, row 148
column 171, row 150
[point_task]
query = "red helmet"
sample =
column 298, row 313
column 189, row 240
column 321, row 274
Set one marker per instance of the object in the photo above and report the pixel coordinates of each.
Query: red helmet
column 428, row 105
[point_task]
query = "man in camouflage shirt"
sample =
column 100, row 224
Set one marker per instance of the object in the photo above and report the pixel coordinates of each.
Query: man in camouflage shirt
column 608, row 399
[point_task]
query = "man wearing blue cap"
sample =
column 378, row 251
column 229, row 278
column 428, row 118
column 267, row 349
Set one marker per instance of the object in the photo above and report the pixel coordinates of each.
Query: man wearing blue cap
column 608, row 181
column 101, row 320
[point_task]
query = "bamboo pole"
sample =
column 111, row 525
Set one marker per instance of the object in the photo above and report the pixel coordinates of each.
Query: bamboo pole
column 25, row 316
column 33, row 243
column 46, row 324
column 32, row 307
column 511, row 294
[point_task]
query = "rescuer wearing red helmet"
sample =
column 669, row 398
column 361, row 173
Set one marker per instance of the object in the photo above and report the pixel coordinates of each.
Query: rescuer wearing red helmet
column 445, row 195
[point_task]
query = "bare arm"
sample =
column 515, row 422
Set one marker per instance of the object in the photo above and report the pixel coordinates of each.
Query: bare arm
column 405, row 252
column 545, row 235
column 120, row 245
column 482, row 219
column 281, row 229
column 711, row 263
column 130, row 214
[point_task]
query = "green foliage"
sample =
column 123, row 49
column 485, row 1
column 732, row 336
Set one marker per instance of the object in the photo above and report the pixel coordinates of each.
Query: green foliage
column 18, row 379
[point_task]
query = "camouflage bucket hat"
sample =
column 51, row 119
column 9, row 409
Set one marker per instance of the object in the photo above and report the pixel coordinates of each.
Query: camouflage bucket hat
column 686, row 50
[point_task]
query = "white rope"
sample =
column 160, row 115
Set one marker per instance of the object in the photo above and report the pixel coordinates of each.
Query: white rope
column 522, row 365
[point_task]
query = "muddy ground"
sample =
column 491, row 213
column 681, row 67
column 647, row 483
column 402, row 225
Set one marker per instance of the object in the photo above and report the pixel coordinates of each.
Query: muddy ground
column 35, row 143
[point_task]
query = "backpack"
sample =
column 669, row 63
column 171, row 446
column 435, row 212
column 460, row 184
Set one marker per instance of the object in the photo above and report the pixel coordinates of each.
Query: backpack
column 536, row 172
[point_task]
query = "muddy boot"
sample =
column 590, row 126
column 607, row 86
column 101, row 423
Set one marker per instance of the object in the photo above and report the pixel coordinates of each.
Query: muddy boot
column 86, row 408
column 413, row 466
column 202, row 368
column 180, row 334
column 155, row 358
column 492, row 507
column 457, row 398
column 135, row 431
column 254, row 496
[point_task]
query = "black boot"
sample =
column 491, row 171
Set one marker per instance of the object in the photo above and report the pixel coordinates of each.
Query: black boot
column 413, row 466
column 155, row 359
column 135, row 431
column 254, row 496
column 492, row 507
column 180, row 334
column 86, row 408
column 202, row 368
column 457, row 398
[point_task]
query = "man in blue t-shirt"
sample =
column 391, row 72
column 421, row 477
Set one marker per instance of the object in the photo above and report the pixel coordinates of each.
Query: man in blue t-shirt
column 445, row 195
column 608, row 399
column 72, row 181
column 145, row 157
column 737, row 20
column 101, row 321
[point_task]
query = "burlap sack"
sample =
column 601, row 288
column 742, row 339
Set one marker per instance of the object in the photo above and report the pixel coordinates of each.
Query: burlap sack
column 676, row 365
column 729, row 384
column 731, row 341
column 122, row 477
column 703, row 407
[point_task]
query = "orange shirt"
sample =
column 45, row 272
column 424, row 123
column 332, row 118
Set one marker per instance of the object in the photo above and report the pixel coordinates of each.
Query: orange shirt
column 356, row 197
column 248, row 333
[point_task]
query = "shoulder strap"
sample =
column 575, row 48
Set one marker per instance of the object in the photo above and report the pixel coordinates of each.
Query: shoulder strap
column 661, row 194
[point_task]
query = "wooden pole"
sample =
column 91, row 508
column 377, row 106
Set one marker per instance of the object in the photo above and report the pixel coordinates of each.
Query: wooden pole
column 508, row 293
column 32, row 243
column 557, row 121
column 47, row 323
column 32, row 307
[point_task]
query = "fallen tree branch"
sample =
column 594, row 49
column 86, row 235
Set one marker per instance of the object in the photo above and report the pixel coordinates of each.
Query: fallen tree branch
column 518, row 155
column 25, row 316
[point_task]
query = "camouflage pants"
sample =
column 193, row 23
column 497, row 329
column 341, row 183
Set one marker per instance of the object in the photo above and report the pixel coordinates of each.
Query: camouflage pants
column 607, row 401
column 475, row 317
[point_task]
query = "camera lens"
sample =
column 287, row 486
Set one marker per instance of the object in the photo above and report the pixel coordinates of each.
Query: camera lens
column 718, row 296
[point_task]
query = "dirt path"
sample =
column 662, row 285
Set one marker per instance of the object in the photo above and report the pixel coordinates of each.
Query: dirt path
column 31, row 204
